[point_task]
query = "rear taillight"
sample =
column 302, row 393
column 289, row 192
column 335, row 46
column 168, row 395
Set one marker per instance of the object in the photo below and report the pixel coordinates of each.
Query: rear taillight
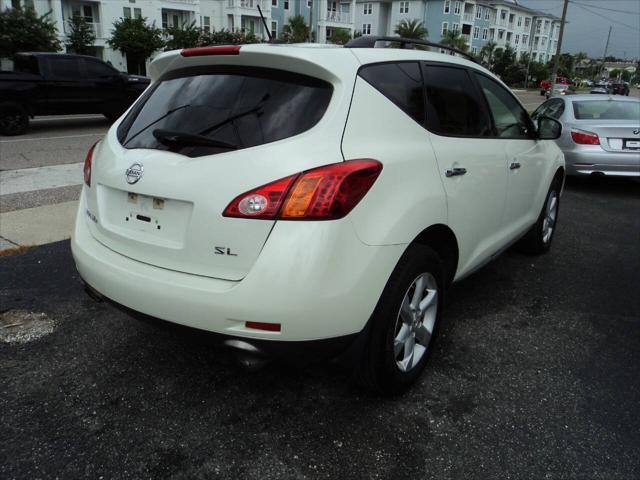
column 212, row 50
column 324, row 193
column 584, row 138
column 88, row 162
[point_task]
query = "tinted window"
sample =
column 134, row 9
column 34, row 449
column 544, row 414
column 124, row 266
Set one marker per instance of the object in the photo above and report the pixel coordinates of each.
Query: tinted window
column 25, row 64
column 401, row 83
column 510, row 119
column 454, row 106
column 239, row 106
column 65, row 68
column 98, row 69
column 607, row 110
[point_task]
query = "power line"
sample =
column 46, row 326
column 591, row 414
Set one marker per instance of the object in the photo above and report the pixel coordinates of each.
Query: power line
column 602, row 16
column 606, row 9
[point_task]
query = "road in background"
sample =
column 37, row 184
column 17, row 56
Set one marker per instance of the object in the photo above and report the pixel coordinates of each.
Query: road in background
column 534, row 376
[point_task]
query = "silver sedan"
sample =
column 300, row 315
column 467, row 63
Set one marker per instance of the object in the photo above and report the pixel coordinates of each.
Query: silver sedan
column 600, row 135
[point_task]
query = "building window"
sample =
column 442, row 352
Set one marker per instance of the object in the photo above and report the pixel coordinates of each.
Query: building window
column 137, row 13
column 487, row 14
column 274, row 29
column 519, row 21
column 517, row 40
column 525, row 39
column 508, row 37
column 478, row 12
column 500, row 34
column 456, row 8
column 274, row 3
column 206, row 24
column 366, row 29
column 445, row 27
column 404, row 7
column 165, row 21
column 368, row 8
column 286, row 4
column 476, row 32
column 474, row 50
column 455, row 27
column 527, row 22
column 543, row 42
column 447, row 6
column 126, row 12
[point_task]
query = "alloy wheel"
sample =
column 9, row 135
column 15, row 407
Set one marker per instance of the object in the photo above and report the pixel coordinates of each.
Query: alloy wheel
column 550, row 215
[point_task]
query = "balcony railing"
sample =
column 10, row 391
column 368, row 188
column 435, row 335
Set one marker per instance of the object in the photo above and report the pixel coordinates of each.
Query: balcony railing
column 96, row 28
column 467, row 17
column 338, row 17
column 250, row 4
column 503, row 22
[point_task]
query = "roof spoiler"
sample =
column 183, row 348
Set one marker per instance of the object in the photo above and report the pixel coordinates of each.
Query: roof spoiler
column 369, row 41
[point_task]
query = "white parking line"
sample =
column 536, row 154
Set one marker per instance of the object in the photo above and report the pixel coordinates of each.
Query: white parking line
column 53, row 138
column 40, row 178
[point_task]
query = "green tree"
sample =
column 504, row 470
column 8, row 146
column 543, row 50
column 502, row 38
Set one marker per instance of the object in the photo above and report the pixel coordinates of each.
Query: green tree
column 453, row 39
column 411, row 29
column 186, row 36
column 135, row 38
column 504, row 58
column 22, row 30
column 296, row 30
column 340, row 36
column 225, row 37
column 487, row 52
column 81, row 36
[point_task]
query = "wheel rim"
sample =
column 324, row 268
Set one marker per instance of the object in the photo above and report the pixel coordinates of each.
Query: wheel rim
column 550, row 215
column 415, row 322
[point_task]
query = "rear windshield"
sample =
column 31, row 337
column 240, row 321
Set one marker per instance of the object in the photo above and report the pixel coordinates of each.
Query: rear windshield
column 199, row 111
column 606, row 110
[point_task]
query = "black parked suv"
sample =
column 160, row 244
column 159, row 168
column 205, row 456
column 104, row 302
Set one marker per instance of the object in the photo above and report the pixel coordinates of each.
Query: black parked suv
column 57, row 84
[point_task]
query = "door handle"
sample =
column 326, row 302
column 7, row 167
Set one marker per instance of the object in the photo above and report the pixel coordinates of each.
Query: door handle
column 514, row 165
column 452, row 172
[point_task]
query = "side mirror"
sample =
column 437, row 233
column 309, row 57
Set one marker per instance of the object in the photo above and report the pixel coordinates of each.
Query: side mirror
column 549, row 128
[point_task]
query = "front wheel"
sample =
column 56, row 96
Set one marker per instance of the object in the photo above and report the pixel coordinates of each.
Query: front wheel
column 538, row 239
column 14, row 119
column 404, row 323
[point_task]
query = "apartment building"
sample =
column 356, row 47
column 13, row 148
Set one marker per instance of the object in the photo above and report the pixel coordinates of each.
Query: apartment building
column 504, row 22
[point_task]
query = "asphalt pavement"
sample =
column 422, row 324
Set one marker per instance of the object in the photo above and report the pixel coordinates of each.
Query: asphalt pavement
column 534, row 376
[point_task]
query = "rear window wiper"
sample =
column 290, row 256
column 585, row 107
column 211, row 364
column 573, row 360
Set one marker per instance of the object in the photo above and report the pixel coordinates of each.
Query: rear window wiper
column 175, row 138
column 169, row 112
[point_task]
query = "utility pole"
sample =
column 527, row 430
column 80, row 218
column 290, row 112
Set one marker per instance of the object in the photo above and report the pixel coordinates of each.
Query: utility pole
column 311, row 20
column 554, row 73
column 604, row 56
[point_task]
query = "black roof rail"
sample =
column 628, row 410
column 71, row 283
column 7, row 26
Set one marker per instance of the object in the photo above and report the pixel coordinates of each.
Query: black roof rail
column 369, row 41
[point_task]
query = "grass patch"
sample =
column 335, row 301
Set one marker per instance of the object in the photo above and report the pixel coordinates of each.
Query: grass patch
column 18, row 250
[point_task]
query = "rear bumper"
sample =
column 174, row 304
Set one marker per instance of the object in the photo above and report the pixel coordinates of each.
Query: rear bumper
column 599, row 161
column 316, row 279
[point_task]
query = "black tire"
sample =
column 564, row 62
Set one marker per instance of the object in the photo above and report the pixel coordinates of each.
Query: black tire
column 536, row 241
column 378, row 367
column 14, row 119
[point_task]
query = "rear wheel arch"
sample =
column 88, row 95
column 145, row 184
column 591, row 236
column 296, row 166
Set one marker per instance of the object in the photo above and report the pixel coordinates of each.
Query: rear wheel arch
column 443, row 241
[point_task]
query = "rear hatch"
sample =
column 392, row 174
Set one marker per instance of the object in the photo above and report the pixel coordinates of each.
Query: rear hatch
column 202, row 134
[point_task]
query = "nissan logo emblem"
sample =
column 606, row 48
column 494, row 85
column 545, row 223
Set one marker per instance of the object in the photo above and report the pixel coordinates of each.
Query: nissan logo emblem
column 134, row 173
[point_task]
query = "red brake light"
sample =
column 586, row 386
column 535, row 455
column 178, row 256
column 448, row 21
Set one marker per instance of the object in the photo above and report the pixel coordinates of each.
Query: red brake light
column 324, row 193
column 88, row 162
column 584, row 138
column 213, row 50
column 269, row 327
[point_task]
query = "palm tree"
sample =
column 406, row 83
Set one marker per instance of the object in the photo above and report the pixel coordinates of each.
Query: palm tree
column 453, row 39
column 296, row 31
column 411, row 29
column 487, row 52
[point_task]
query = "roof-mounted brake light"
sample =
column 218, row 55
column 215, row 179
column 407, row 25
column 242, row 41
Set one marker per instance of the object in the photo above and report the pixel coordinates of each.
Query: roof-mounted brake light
column 213, row 50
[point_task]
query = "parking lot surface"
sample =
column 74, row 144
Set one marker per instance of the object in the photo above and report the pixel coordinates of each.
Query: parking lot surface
column 534, row 376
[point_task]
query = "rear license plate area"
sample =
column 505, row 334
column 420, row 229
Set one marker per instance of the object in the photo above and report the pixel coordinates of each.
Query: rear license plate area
column 151, row 219
column 631, row 144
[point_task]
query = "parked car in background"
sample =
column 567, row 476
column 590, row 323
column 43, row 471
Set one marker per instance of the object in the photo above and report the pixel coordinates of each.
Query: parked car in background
column 601, row 89
column 620, row 88
column 545, row 85
column 561, row 89
column 600, row 135
column 254, row 192
column 58, row 84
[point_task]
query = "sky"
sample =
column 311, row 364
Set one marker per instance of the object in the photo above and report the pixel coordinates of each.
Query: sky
column 588, row 25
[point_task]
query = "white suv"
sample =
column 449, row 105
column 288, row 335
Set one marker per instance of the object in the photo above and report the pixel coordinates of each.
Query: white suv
column 288, row 197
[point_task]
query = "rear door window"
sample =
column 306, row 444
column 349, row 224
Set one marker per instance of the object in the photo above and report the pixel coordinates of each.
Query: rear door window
column 64, row 68
column 454, row 106
column 400, row 82
column 203, row 111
